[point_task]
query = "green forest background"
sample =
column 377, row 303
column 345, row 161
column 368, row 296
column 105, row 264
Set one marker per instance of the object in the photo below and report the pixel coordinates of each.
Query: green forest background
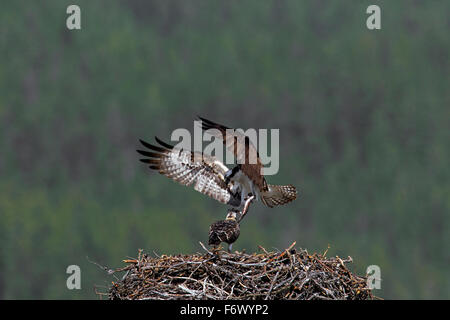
column 363, row 118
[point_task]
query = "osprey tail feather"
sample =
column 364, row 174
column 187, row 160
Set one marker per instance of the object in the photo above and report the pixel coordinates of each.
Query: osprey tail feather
column 278, row 195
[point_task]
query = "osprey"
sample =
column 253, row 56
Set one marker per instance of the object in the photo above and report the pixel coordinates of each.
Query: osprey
column 228, row 230
column 247, row 175
column 211, row 177
column 225, row 230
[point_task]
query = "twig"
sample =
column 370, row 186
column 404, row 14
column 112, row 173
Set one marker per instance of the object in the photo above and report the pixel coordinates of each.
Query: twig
column 204, row 248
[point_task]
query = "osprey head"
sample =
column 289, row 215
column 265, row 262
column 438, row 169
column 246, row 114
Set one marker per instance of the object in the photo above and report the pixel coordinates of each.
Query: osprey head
column 232, row 213
column 230, row 173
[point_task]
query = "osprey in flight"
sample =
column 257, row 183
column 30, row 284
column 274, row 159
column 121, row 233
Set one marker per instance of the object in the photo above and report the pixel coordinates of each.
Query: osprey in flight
column 210, row 176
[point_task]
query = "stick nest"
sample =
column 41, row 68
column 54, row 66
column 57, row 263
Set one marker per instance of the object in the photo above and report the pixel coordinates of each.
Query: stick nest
column 292, row 274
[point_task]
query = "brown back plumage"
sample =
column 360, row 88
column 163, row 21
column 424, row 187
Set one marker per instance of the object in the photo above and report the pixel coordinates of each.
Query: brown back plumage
column 242, row 148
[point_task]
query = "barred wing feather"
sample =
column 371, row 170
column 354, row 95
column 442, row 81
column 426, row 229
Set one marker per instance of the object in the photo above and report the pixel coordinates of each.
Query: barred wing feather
column 204, row 172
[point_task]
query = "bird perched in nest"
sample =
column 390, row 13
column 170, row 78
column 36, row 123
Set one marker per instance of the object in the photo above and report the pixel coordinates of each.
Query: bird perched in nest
column 228, row 230
column 225, row 230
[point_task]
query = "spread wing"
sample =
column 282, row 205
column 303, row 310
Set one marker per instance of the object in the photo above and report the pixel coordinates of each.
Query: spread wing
column 204, row 172
column 240, row 145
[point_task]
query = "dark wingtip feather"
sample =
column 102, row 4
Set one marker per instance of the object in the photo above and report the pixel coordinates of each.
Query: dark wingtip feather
column 143, row 142
column 151, row 161
column 208, row 124
column 203, row 119
column 206, row 127
column 149, row 154
column 152, row 147
column 166, row 145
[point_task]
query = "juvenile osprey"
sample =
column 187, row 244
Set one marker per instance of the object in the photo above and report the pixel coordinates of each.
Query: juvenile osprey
column 225, row 230
column 211, row 177
column 228, row 230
